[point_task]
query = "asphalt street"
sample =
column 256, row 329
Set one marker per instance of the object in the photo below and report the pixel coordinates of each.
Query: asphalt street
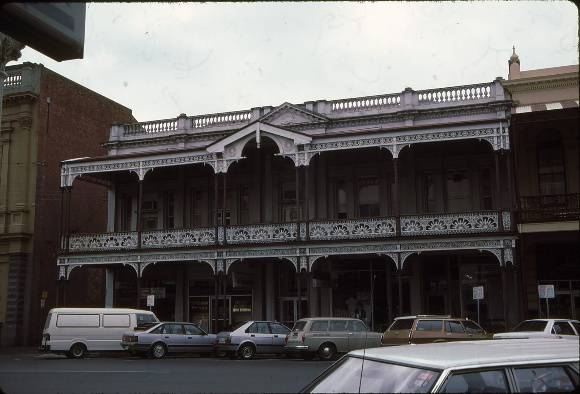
column 40, row 373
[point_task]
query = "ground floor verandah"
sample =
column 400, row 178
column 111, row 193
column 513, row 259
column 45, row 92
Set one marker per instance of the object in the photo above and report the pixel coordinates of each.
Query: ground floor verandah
column 375, row 282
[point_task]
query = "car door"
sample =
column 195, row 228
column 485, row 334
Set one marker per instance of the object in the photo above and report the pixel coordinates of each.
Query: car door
column 196, row 340
column 261, row 336
column 173, row 336
column 357, row 332
column 279, row 332
column 428, row 330
column 339, row 335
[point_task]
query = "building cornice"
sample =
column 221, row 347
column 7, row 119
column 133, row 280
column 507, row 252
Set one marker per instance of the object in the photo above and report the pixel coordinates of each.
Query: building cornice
column 516, row 86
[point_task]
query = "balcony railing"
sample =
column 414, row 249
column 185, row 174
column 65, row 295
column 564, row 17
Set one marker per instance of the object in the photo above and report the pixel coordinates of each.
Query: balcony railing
column 324, row 230
column 447, row 224
column 555, row 207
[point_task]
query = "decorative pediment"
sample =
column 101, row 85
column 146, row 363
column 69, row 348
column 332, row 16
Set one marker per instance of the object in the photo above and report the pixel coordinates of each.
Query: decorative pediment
column 282, row 137
column 288, row 114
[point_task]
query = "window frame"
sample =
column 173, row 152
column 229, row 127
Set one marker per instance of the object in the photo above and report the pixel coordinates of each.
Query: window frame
column 545, row 144
column 508, row 374
column 248, row 330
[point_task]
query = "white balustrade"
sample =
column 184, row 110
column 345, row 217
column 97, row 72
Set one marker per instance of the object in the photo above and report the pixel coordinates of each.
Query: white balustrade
column 454, row 94
column 13, row 79
column 261, row 233
column 226, row 118
column 351, row 229
column 447, row 224
column 178, row 238
column 102, row 242
column 157, row 126
column 362, row 103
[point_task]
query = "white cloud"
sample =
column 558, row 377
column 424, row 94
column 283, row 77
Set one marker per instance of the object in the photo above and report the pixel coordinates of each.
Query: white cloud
column 161, row 59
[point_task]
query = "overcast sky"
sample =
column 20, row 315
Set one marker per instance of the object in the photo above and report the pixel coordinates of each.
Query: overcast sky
column 164, row 59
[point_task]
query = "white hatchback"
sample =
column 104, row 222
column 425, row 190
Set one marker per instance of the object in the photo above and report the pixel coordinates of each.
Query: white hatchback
column 544, row 328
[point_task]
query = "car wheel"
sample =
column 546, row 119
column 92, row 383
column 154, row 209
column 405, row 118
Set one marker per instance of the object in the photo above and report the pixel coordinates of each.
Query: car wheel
column 78, row 350
column 327, row 351
column 158, row 350
column 247, row 351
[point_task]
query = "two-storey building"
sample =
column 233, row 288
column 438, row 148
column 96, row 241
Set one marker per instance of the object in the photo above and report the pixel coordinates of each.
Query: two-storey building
column 381, row 205
column 544, row 131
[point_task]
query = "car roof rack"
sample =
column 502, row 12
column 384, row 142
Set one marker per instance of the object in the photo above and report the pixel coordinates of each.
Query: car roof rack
column 441, row 316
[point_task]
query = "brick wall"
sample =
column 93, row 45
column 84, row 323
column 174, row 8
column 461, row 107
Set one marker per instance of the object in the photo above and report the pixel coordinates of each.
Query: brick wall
column 74, row 124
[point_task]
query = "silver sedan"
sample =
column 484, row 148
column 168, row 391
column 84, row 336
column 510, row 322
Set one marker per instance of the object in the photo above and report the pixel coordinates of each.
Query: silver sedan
column 169, row 337
column 249, row 338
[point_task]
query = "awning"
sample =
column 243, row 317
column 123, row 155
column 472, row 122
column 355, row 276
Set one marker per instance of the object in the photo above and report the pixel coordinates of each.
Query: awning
column 546, row 107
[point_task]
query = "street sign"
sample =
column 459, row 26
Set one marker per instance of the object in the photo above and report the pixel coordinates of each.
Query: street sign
column 478, row 293
column 546, row 291
column 151, row 300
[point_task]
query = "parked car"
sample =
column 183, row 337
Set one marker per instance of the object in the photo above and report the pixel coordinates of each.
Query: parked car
column 169, row 337
column 534, row 328
column 431, row 328
column 488, row 366
column 328, row 336
column 76, row 331
column 246, row 339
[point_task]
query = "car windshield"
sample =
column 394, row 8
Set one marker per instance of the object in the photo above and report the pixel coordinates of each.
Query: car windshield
column 530, row 325
column 299, row 326
column 374, row 377
column 402, row 324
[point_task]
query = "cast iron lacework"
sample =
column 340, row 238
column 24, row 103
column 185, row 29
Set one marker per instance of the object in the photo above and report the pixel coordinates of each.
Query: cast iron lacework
column 106, row 241
column 352, row 229
column 439, row 224
column 178, row 238
column 263, row 233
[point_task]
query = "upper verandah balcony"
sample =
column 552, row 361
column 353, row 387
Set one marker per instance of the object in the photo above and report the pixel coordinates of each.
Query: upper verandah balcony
column 468, row 103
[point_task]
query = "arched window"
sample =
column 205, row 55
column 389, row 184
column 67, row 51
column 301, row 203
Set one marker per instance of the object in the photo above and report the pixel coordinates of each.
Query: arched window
column 551, row 169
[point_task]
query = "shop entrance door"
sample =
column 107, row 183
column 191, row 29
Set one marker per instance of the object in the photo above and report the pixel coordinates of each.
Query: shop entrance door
column 289, row 310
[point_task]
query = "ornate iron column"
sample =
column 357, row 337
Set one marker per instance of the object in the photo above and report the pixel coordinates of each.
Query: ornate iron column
column 396, row 196
column 298, row 216
column 139, row 213
column 224, row 223
column 215, row 311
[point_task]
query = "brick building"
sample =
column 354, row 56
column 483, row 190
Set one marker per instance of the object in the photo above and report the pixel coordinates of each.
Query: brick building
column 46, row 118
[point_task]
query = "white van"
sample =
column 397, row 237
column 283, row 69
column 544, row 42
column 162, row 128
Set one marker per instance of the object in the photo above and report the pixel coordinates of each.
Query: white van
column 76, row 331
